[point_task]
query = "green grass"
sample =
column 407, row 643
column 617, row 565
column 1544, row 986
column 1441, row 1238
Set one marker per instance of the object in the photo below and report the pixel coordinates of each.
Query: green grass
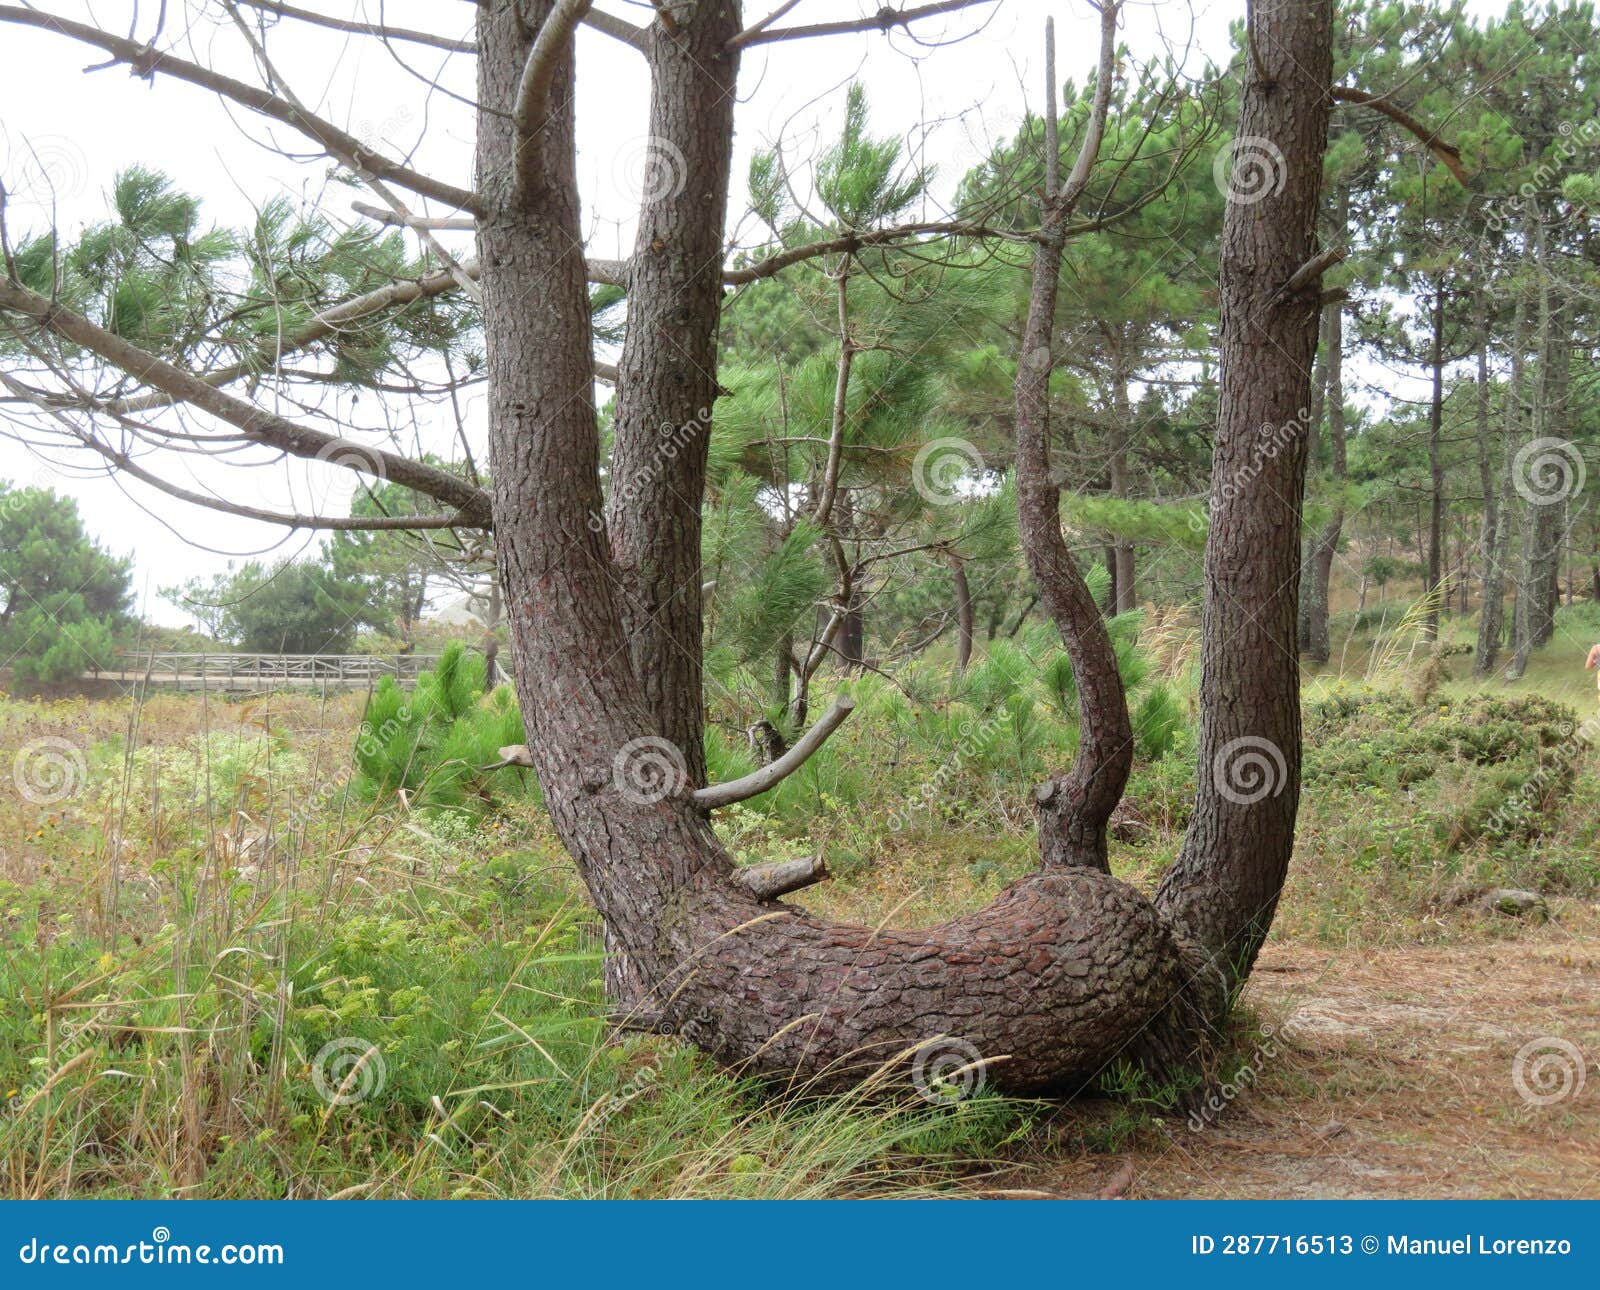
column 223, row 973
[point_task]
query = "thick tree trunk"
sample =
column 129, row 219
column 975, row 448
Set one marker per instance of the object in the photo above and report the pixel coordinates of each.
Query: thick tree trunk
column 1069, row 968
column 667, row 373
column 1223, row 889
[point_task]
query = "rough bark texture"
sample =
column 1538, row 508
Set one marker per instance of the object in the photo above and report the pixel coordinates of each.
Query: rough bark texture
column 1068, row 969
column 1224, row 887
column 667, row 374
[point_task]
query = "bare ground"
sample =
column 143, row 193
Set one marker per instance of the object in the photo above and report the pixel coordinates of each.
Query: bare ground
column 1385, row 1073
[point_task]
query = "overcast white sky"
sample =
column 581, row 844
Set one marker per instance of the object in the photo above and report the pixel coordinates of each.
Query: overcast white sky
column 82, row 127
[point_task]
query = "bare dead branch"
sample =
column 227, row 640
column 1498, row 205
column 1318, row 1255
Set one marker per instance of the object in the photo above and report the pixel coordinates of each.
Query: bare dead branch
column 886, row 19
column 745, row 36
column 364, row 28
column 769, row 881
column 277, row 81
column 457, row 224
column 148, row 61
column 759, row 781
column 533, row 90
column 1313, row 269
column 347, row 523
column 618, row 29
column 350, row 313
column 1094, row 132
column 1447, row 153
column 857, row 241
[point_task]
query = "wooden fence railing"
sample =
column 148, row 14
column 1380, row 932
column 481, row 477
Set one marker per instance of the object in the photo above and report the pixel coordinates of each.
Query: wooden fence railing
column 271, row 671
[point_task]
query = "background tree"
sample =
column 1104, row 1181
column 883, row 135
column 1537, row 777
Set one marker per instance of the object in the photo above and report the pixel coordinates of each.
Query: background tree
column 291, row 607
column 64, row 600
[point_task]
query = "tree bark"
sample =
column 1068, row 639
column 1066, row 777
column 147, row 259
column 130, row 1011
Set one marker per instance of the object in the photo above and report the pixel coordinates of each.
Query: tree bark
column 1430, row 621
column 1125, row 596
column 667, row 373
column 1491, row 617
column 1314, row 641
column 1069, row 968
column 1223, row 889
column 1533, row 618
column 964, row 620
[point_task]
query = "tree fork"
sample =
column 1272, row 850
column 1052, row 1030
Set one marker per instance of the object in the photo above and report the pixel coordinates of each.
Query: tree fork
column 1068, row 969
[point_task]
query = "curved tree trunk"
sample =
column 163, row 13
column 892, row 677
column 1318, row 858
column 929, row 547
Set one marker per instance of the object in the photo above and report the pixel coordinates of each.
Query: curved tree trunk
column 1069, row 968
